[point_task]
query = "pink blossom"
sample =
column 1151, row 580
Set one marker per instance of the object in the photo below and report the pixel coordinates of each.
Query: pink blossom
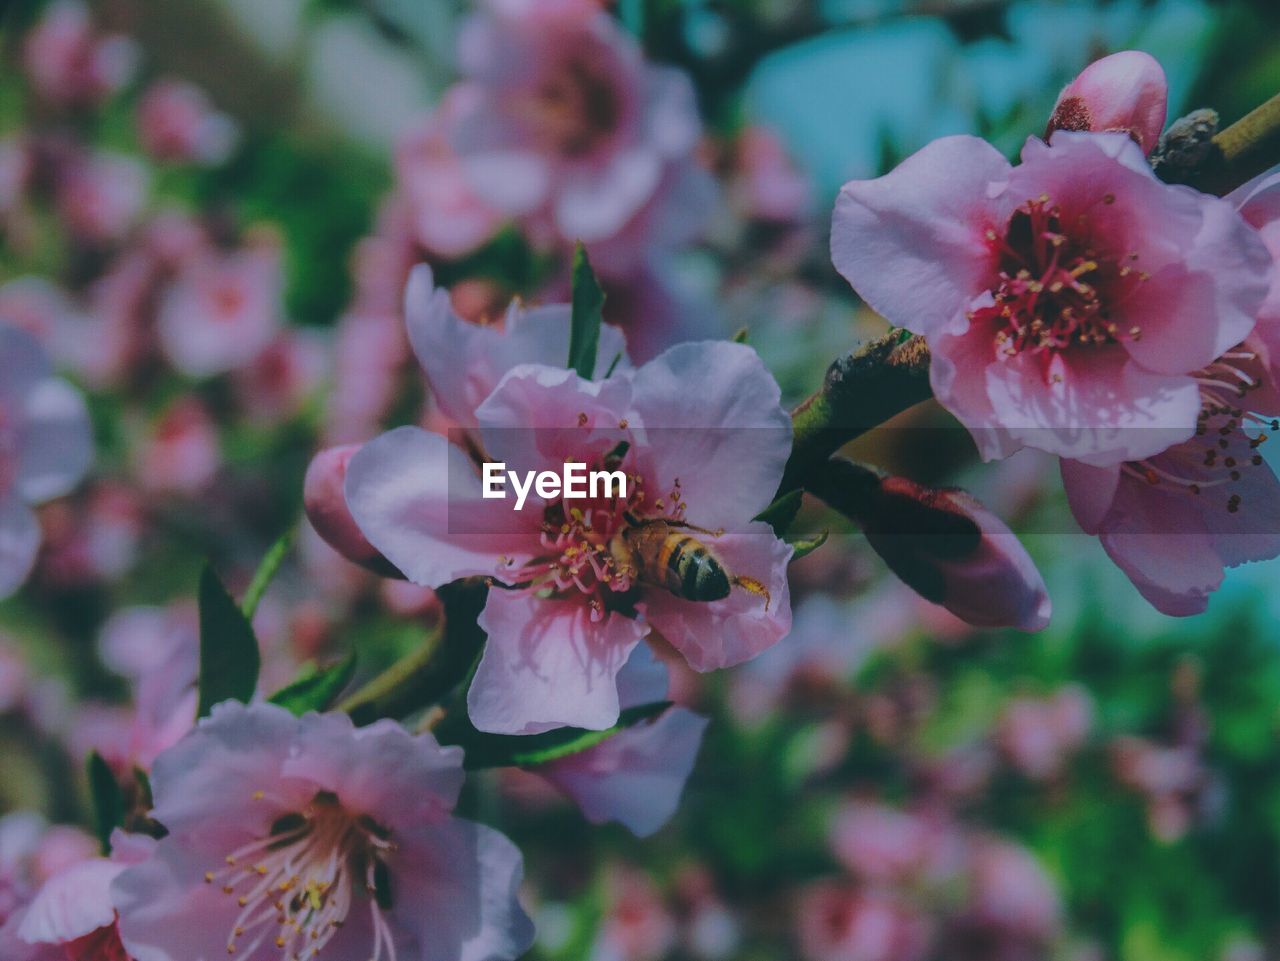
column 882, row 845
column 222, row 310
column 1039, row 734
column 101, row 196
column 577, row 598
column 280, row 381
column 1125, row 92
column 1068, row 301
column 46, row 445
column 563, row 120
column 638, row 925
column 369, row 353
column 31, row 854
column 69, row 63
column 355, row 822
column 447, row 215
column 838, row 922
column 157, row 650
column 109, row 346
column 1010, row 892
column 769, row 187
column 177, row 123
column 1173, row 522
column 37, row 306
column 465, row 361
column 636, row 776
column 180, row 455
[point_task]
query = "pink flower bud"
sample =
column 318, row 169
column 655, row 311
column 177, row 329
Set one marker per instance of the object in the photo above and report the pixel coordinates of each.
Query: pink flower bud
column 1124, row 92
column 326, row 507
column 954, row 552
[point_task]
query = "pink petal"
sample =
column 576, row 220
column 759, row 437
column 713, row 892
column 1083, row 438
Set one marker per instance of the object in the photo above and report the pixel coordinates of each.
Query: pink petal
column 547, row 664
column 417, row 498
column 726, row 441
column 912, row 242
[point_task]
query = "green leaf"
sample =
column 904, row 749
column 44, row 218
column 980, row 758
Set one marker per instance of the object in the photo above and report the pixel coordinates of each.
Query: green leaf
column 229, row 658
column 584, row 327
column 316, row 690
column 515, row 750
column 266, row 572
column 782, row 512
column 107, row 798
column 807, row 545
column 740, row 337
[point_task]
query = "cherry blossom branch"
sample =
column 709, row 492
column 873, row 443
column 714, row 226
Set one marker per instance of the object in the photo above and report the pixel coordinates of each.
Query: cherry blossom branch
column 861, row 391
column 433, row 669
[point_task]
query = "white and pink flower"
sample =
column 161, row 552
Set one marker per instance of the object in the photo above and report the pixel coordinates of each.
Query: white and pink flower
column 568, row 606
column 1174, row 521
column 562, row 120
column 287, row 831
column 178, row 124
column 46, row 445
column 223, row 309
column 1068, row 302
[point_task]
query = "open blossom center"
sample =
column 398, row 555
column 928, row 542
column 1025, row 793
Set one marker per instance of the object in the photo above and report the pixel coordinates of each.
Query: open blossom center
column 1055, row 291
column 575, row 110
column 1228, row 434
column 299, row 882
column 577, row 537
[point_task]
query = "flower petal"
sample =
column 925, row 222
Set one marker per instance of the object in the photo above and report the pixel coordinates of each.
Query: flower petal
column 548, row 665
column 912, row 242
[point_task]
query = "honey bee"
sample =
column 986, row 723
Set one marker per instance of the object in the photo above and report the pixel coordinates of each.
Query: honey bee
column 664, row 553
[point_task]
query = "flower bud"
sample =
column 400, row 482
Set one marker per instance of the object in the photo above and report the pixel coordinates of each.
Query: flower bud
column 1124, row 92
column 953, row 551
column 326, row 507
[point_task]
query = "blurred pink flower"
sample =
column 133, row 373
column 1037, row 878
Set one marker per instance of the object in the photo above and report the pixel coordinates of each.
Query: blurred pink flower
column 101, row 195
column 637, row 926
column 577, row 602
column 882, row 845
column 180, row 454
column 223, row 309
column 157, row 651
column 368, row 355
column 1038, row 735
column 562, row 119
column 278, row 383
column 769, row 186
column 1068, row 301
column 447, row 215
column 1175, row 521
column 836, row 921
column 1011, row 893
column 177, row 123
column 38, row 306
column 465, row 361
column 46, row 446
column 69, row 63
column 1125, row 92
column 636, row 776
column 356, row 822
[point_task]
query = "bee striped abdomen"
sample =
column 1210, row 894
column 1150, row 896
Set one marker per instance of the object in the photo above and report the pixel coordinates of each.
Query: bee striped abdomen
column 690, row 570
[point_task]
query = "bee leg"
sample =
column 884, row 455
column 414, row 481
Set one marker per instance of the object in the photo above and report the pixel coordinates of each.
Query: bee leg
column 753, row 586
